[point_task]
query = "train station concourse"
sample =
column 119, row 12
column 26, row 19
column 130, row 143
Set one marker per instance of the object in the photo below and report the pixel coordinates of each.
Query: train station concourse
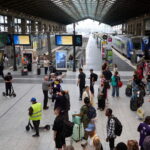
column 69, row 84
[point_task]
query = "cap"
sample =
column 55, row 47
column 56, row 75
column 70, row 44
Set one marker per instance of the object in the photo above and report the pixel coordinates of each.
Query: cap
column 33, row 99
column 91, row 127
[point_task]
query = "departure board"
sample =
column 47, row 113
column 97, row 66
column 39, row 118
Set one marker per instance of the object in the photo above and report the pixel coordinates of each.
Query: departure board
column 64, row 40
column 21, row 39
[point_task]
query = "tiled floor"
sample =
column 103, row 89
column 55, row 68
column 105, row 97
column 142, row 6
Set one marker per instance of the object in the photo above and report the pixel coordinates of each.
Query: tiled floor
column 14, row 113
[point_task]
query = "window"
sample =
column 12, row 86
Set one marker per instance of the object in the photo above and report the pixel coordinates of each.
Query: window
column 17, row 22
column 3, row 23
column 28, row 21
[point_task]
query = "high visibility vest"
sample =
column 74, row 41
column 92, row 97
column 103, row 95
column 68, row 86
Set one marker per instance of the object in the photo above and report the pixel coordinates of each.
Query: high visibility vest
column 37, row 112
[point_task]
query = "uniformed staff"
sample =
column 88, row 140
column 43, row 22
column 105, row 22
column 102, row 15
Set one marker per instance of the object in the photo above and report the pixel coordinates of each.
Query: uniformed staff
column 35, row 113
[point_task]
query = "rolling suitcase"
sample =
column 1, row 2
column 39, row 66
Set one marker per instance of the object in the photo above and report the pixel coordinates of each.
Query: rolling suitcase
column 128, row 91
column 101, row 102
column 78, row 132
column 133, row 104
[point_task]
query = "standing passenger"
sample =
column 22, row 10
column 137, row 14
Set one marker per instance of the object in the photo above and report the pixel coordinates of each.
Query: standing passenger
column 59, row 137
column 110, row 129
column 81, row 82
column 144, row 129
column 45, row 88
column 35, row 113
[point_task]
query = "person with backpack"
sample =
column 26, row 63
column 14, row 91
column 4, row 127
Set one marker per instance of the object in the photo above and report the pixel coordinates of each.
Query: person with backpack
column 114, row 82
column 87, row 113
column 144, row 129
column 58, row 128
column 93, row 79
column 114, row 128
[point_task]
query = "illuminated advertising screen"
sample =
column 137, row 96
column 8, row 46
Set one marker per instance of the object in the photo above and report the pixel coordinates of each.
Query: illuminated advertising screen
column 62, row 40
column 21, row 39
column 61, row 60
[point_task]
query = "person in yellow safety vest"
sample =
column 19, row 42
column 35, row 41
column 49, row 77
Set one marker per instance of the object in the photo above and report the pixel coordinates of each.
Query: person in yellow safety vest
column 35, row 114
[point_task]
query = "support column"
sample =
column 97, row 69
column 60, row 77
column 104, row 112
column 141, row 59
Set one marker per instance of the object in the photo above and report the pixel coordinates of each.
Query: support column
column 74, row 50
column 24, row 26
column 49, row 46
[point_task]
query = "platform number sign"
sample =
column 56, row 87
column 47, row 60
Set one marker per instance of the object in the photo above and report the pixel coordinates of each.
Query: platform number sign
column 78, row 40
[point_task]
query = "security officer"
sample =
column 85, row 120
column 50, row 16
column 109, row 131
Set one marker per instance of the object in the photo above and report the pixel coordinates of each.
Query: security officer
column 35, row 113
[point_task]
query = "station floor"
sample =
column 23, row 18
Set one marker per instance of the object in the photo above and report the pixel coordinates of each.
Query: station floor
column 14, row 111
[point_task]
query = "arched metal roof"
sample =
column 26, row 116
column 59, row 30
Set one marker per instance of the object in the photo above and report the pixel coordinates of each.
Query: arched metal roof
column 69, row 11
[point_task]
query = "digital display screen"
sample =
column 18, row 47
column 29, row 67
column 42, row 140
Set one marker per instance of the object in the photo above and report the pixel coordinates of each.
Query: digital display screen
column 21, row 39
column 61, row 40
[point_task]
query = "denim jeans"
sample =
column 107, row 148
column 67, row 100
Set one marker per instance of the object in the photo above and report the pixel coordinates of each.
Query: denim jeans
column 148, row 86
column 115, row 90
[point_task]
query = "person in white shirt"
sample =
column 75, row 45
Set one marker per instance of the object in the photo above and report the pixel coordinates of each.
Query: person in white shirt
column 46, row 65
column 87, row 93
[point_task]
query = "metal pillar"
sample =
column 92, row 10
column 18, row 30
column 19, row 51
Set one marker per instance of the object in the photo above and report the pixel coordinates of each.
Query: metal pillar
column 74, row 50
column 49, row 46
column 15, row 65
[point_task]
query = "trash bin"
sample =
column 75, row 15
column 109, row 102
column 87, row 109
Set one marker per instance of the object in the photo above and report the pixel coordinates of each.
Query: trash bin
column 38, row 69
column 42, row 69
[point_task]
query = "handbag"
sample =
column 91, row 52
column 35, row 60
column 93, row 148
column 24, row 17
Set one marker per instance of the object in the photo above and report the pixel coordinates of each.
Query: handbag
column 120, row 84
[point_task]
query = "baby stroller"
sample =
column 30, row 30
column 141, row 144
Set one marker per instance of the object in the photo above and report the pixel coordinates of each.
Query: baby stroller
column 12, row 92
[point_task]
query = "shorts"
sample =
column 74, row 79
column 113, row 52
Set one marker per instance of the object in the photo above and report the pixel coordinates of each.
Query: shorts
column 59, row 141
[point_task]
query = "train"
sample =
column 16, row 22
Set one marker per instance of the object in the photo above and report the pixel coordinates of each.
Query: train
column 130, row 46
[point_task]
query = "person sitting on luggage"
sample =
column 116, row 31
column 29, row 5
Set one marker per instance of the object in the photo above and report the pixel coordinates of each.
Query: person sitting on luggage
column 93, row 142
column 8, row 83
column 35, row 113
column 83, row 114
column 58, row 128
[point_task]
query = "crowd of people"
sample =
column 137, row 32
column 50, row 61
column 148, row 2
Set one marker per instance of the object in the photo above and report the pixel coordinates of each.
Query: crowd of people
column 51, row 86
column 88, row 113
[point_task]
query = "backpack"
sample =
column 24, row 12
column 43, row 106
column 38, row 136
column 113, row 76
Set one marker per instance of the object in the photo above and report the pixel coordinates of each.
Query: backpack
column 95, row 76
column 118, row 126
column 91, row 112
column 67, row 128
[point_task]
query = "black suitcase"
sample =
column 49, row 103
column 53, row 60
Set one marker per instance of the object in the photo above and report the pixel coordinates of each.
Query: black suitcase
column 101, row 102
column 24, row 73
column 38, row 71
column 133, row 104
column 128, row 91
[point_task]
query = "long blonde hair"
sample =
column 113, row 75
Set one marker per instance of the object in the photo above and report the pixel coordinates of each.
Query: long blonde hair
column 132, row 145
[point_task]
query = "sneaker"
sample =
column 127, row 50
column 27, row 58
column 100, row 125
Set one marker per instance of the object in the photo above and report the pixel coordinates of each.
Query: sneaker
column 45, row 108
column 35, row 135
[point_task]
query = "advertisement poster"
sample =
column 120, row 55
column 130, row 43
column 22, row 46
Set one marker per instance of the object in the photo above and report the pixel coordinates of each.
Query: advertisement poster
column 61, row 60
